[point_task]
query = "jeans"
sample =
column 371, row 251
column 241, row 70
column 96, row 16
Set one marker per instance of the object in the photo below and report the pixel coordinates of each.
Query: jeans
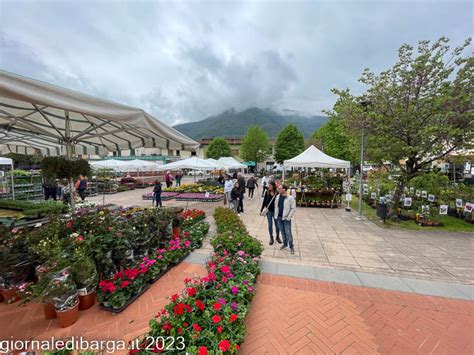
column 271, row 220
column 251, row 189
column 285, row 228
column 158, row 201
column 263, row 190
column 82, row 194
column 241, row 203
column 236, row 204
column 228, row 198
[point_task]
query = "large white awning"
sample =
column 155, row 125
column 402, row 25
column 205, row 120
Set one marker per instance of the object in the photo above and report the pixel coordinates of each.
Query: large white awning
column 314, row 158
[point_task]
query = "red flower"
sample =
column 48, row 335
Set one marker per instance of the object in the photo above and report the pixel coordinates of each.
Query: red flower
column 237, row 347
column 179, row 308
column 79, row 238
column 185, row 324
column 196, row 327
column 225, row 269
column 131, row 273
column 224, row 345
column 216, row 319
column 202, row 350
column 174, row 297
column 167, row 326
column 69, row 224
column 180, row 330
column 233, row 317
column 219, row 329
column 224, row 279
column 191, row 291
column 125, row 284
column 143, row 270
column 217, row 306
column 200, row 305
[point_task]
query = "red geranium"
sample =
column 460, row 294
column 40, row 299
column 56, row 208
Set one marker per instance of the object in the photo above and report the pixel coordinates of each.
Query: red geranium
column 191, row 291
column 200, row 305
column 225, row 269
column 219, row 329
column 217, row 306
column 224, row 345
column 125, row 284
column 202, row 350
column 233, row 317
column 179, row 308
column 131, row 273
column 196, row 327
column 174, row 297
column 216, row 319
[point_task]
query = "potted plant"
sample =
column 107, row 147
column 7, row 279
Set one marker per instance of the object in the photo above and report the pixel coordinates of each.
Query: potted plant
column 62, row 292
column 85, row 277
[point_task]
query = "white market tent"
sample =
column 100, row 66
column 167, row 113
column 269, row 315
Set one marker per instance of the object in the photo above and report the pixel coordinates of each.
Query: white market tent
column 314, row 158
column 63, row 122
column 231, row 163
column 126, row 165
column 193, row 163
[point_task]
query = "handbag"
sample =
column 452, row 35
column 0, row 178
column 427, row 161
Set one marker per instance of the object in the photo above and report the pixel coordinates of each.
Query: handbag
column 264, row 212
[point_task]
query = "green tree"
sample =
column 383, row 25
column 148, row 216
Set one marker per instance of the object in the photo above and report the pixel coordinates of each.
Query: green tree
column 418, row 111
column 218, row 148
column 289, row 143
column 334, row 139
column 256, row 145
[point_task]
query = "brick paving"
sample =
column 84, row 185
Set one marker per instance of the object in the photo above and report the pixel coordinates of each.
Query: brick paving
column 287, row 316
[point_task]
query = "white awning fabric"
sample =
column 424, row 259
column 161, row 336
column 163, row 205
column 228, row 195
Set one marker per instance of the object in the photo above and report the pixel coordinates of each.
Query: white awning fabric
column 6, row 161
column 126, row 165
column 231, row 163
column 48, row 118
column 314, row 158
column 193, row 163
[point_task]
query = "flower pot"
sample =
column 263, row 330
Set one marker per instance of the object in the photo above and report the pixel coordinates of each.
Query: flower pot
column 10, row 295
column 87, row 301
column 49, row 311
column 68, row 317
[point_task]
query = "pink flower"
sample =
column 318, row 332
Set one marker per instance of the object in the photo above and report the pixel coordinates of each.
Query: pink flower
column 235, row 290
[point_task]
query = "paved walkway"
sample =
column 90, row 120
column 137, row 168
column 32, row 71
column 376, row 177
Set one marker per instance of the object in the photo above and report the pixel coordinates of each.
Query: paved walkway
column 287, row 316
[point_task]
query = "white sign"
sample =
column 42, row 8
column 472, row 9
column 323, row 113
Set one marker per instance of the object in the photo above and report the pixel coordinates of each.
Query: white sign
column 424, row 194
column 425, row 208
column 468, row 207
column 373, row 195
column 412, row 190
column 443, row 209
column 459, row 202
column 207, row 194
column 366, row 191
column 348, row 197
column 388, row 198
column 407, row 202
column 418, row 193
column 431, row 198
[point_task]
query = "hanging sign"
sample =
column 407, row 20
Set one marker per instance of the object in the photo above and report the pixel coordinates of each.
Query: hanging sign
column 373, row 195
column 459, row 202
column 431, row 198
column 418, row 193
column 366, row 191
column 443, row 209
column 424, row 194
column 348, row 197
column 412, row 190
column 388, row 198
column 407, row 202
column 468, row 207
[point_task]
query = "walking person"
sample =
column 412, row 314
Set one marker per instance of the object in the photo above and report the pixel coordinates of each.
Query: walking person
column 268, row 210
column 251, row 184
column 228, row 186
column 178, row 178
column 157, row 194
column 264, row 184
column 285, row 208
column 168, row 179
column 81, row 186
column 235, row 197
column 241, row 181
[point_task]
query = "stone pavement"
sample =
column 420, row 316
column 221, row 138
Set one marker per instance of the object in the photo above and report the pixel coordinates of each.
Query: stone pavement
column 287, row 316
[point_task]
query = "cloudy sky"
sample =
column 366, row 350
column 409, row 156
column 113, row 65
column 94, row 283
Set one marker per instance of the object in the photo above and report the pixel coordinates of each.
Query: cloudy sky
column 183, row 61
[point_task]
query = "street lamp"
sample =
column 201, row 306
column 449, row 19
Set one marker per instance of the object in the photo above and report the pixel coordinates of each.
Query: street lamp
column 365, row 104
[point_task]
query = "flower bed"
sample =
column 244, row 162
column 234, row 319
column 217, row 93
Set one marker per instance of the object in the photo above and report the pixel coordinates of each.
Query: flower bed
column 208, row 316
column 195, row 188
column 201, row 197
column 164, row 195
column 126, row 249
column 193, row 216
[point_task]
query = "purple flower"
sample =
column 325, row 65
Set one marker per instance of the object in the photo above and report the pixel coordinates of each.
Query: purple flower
column 222, row 301
column 234, row 306
column 234, row 290
column 251, row 289
column 245, row 282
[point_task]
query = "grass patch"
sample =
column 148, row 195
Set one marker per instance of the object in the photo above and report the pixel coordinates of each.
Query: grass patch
column 451, row 224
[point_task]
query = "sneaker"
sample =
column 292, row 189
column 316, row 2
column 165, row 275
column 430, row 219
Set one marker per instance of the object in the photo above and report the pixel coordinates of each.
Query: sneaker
column 283, row 247
column 238, row 214
column 278, row 239
column 292, row 251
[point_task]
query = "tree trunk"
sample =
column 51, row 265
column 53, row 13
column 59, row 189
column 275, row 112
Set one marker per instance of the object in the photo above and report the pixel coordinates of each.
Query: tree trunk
column 392, row 213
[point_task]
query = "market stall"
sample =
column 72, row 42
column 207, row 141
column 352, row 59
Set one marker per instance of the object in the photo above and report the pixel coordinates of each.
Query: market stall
column 319, row 190
column 231, row 163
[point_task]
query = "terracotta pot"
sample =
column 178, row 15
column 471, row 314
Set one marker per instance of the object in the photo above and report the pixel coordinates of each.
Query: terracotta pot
column 68, row 317
column 87, row 301
column 10, row 295
column 49, row 311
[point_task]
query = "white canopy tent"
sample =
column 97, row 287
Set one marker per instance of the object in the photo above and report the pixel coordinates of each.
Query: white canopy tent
column 126, row 165
column 231, row 163
column 9, row 162
column 193, row 163
column 61, row 121
column 314, row 158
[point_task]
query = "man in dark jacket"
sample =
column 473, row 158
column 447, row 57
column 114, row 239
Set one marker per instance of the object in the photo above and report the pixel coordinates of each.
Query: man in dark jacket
column 157, row 194
column 241, row 181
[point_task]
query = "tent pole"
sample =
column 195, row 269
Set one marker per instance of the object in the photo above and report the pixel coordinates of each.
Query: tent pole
column 13, row 184
column 69, row 156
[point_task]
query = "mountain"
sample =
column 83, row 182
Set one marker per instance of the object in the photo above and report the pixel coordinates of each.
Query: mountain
column 232, row 123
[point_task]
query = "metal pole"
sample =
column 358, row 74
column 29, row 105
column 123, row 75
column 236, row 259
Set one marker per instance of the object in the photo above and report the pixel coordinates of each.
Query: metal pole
column 361, row 171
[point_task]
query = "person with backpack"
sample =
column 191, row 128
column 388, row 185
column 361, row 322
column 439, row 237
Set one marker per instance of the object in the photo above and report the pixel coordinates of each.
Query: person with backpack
column 268, row 210
column 251, row 184
column 81, row 186
column 157, row 194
